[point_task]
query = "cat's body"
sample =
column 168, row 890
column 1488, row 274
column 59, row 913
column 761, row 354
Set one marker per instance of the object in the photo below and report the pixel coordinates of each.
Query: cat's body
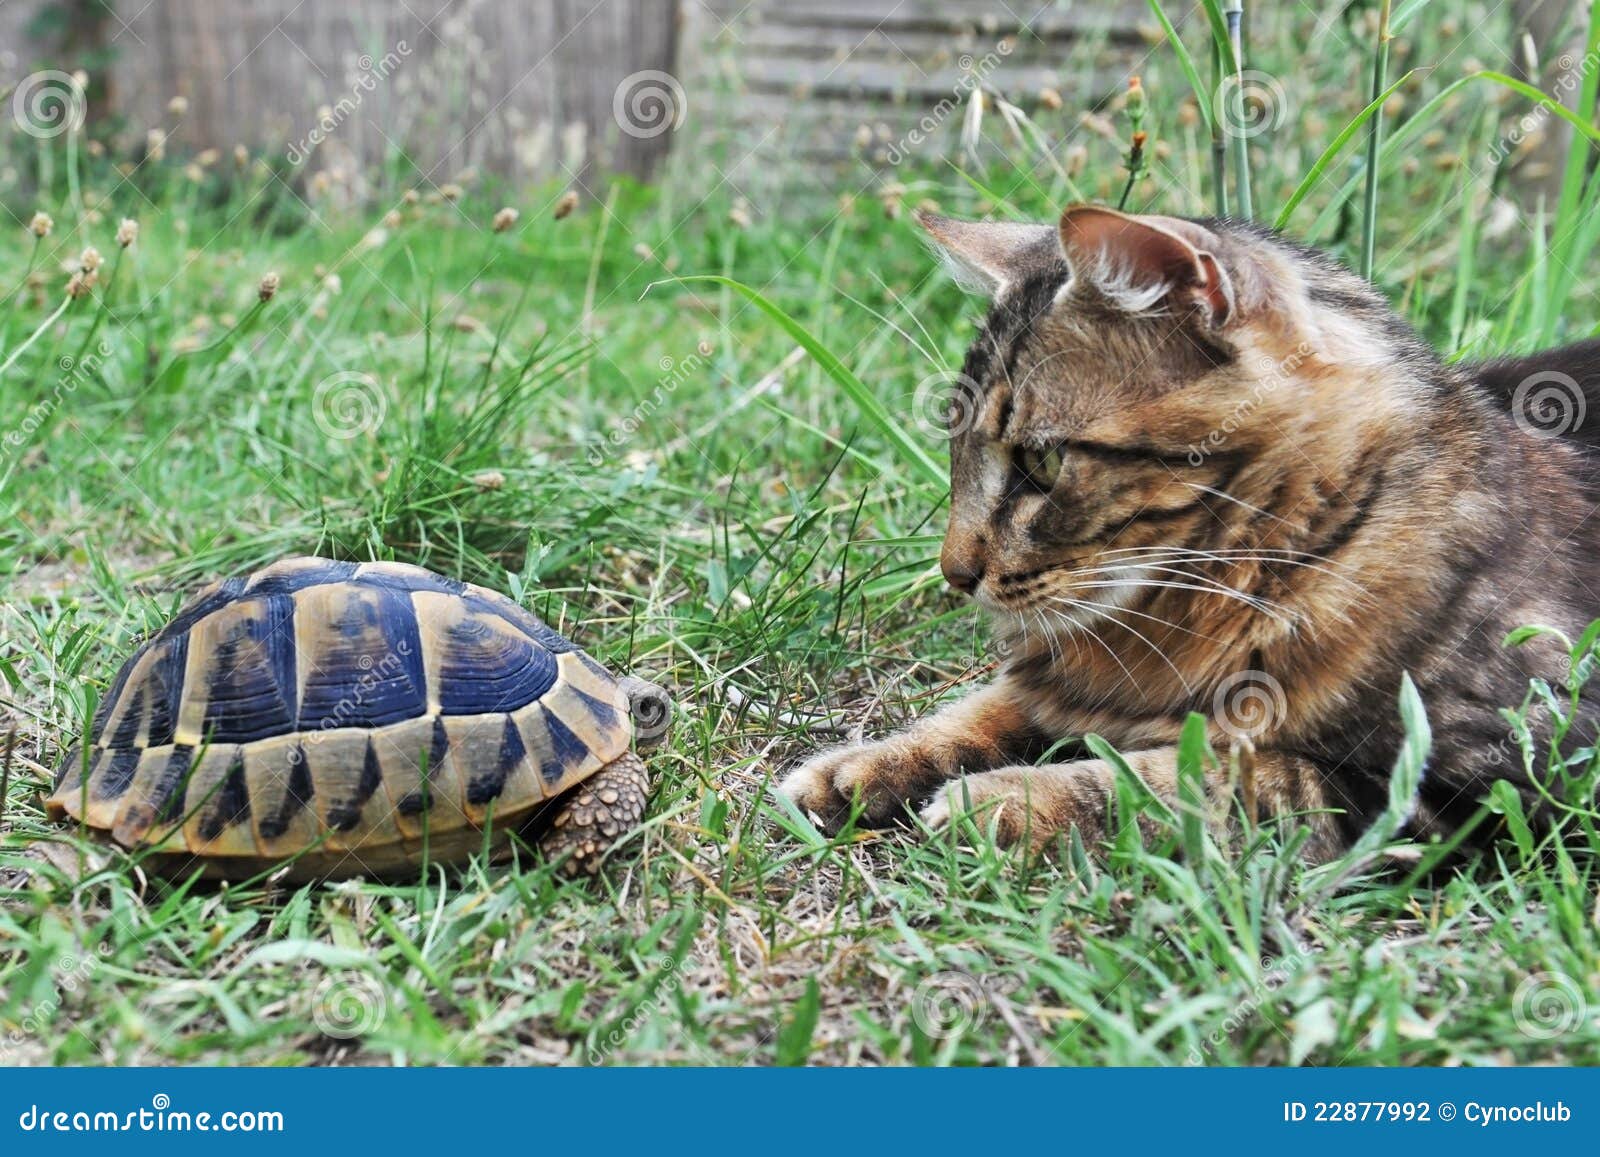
column 1201, row 469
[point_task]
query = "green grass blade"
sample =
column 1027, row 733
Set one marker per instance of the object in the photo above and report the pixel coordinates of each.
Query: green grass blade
column 1330, row 154
column 1202, row 95
column 928, row 470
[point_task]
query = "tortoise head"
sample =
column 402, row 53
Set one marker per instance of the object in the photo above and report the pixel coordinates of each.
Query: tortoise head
column 651, row 708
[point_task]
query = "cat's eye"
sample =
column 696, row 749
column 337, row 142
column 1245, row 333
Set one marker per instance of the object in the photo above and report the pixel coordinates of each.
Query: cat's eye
column 1040, row 467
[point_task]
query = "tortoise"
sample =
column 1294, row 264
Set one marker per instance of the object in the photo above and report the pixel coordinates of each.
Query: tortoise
column 352, row 718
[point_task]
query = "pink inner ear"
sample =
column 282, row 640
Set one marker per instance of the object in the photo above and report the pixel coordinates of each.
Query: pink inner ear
column 1150, row 252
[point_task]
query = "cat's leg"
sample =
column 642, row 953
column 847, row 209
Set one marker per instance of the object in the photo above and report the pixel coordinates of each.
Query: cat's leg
column 1036, row 804
column 989, row 728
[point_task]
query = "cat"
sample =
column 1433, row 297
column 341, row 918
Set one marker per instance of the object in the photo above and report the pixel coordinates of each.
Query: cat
column 1197, row 467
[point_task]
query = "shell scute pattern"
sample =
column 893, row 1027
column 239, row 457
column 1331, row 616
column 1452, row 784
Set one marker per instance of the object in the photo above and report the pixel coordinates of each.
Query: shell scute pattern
column 339, row 710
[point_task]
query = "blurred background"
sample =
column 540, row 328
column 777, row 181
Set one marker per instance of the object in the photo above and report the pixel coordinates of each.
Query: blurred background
column 616, row 306
column 535, row 89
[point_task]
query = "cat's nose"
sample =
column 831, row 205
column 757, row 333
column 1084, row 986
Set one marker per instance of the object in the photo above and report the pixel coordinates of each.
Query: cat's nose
column 964, row 572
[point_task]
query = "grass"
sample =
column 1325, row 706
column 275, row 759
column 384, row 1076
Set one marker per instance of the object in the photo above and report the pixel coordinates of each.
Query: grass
column 566, row 412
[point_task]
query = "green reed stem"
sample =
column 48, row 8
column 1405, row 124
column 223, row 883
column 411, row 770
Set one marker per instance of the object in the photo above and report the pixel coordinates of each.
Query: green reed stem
column 34, row 336
column 1219, row 147
column 1369, row 209
column 1241, row 143
column 1569, row 216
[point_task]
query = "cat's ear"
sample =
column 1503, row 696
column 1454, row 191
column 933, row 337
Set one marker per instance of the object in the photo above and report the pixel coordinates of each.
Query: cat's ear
column 989, row 257
column 1143, row 262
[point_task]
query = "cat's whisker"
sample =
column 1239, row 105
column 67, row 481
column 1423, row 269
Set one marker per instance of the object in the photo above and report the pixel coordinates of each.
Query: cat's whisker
column 1225, row 557
column 1217, row 585
column 1157, row 651
column 1110, row 610
column 1052, row 637
column 1263, row 550
column 1223, row 494
column 1197, row 550
column 1255, row 604
column 1132, row 682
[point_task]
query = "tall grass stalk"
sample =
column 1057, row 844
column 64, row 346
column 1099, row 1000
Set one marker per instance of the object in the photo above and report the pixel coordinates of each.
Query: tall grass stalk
column 1202, row 98
column 1219, row 146
column 1571, row 243
column 66, row 302
column 1241, row 143
column 1369, row 208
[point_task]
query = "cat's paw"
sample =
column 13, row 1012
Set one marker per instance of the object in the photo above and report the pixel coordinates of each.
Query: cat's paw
column 988, row 798
column 889, row 777
column 1019, row 807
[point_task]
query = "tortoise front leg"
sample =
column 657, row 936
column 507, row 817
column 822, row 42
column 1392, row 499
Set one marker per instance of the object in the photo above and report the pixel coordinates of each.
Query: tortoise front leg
column 597, row 813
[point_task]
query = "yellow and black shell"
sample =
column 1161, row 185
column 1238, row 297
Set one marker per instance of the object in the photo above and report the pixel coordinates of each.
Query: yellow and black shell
column 352, row 716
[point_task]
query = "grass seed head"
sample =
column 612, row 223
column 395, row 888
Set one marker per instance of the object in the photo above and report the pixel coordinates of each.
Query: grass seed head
column 41, row 224
column 127, row 232
column 90, row 260
column 505, row 219
column 268, row 287
column 567, row 203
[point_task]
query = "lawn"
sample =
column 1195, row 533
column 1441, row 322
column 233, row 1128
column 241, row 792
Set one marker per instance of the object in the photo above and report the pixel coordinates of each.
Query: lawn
column 586, row 411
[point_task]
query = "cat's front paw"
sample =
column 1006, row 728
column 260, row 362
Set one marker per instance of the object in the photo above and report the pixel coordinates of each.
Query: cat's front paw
column 997, row 800
column 889, row 777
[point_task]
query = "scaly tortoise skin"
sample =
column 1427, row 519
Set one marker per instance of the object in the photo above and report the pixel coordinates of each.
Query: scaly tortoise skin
column 289, row 716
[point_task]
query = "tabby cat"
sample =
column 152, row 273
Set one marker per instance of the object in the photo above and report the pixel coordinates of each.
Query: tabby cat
column 1195, row 467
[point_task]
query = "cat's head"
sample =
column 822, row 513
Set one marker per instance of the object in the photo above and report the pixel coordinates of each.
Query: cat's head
column 1139, row 385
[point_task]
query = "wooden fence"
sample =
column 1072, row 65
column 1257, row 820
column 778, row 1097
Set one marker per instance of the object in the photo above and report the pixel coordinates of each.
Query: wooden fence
column 520, row 86
column 546, row 87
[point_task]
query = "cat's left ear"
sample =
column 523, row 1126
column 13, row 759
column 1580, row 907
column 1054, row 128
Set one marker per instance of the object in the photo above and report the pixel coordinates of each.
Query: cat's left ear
column 1143, row 262
column 989, row 257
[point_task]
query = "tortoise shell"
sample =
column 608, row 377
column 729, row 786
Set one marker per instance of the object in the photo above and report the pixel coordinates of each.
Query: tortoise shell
column 348, row 715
